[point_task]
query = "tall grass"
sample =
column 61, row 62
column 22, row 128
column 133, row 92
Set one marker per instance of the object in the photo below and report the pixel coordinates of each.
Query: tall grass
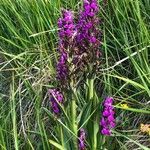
column 28, row 55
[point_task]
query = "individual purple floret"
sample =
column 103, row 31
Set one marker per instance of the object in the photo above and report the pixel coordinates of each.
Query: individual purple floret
column 66, row 32
column 88, row 34
column 108, row 120
column 82, row 138
column 56, row 98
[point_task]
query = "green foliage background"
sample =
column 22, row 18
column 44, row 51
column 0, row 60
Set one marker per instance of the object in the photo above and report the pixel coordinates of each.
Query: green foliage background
column 28, row 55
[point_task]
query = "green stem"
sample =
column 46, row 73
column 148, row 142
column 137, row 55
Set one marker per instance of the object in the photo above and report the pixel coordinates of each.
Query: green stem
column 91, row 88
column 73, row 114
column 94, row 120
column 73, row 119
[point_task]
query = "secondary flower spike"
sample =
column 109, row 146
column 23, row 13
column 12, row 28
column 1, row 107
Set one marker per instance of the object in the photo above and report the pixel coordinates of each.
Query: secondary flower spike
column 82, row 138
column 88, row 34
column 56, row 98
column 108, row 120
column 66, row 32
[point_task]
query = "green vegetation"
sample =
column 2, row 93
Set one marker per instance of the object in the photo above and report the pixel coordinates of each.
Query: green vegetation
column 28, row 55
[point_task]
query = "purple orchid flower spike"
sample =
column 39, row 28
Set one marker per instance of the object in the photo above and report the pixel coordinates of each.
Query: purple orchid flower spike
column 108, row 120
column 56, row 98
column 88, row 34
column 82, row 138
column 66, row 32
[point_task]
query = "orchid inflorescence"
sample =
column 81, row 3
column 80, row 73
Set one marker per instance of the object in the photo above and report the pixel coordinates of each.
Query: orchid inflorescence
column 56, row 99
column 88, row 33
column 82, row 138
column 66, row 31
column 108, row 119
column 79, row 43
